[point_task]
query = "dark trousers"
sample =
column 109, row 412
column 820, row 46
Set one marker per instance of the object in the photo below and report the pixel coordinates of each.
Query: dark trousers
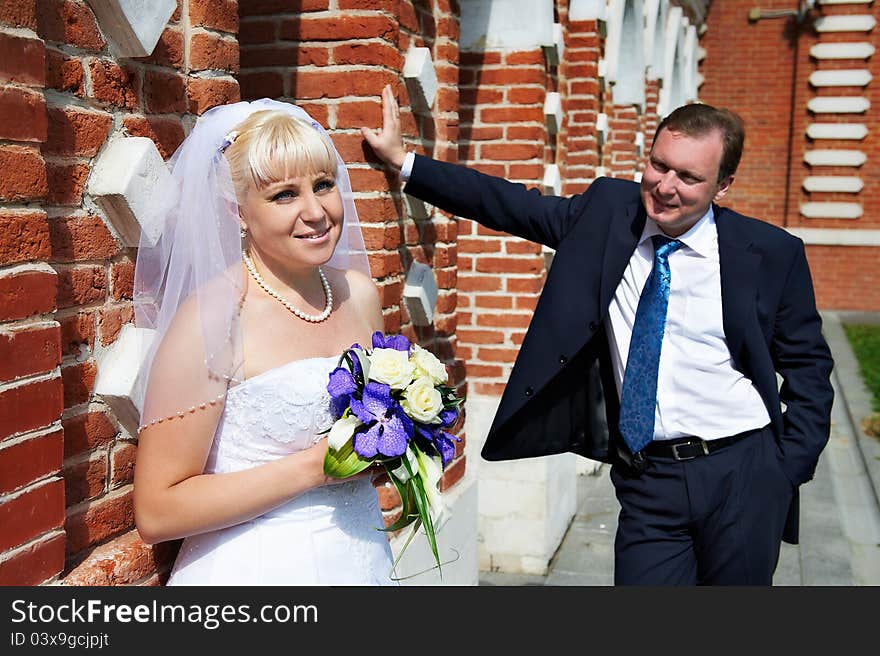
column 713, row 520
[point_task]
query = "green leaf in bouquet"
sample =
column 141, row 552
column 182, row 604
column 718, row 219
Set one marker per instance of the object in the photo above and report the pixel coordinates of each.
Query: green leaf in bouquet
column 414, row 491
column 344, row 462
column 424, row 511
column 407, row 501
column 450, row 400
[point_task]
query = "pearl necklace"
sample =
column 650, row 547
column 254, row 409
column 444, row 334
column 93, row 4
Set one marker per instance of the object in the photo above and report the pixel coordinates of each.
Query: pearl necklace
column 314, row 318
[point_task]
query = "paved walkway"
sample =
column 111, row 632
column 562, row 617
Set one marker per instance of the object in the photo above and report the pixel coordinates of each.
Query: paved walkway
column 840, row 513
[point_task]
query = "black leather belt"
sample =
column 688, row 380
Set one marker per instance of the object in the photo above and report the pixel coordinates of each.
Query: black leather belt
column 688, row 448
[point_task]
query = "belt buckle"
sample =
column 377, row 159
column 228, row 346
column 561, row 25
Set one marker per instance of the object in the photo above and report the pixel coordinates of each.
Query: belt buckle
column 678, row 457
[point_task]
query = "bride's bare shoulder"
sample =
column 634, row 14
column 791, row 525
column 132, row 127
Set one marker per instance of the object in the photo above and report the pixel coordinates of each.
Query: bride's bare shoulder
column 360, row 290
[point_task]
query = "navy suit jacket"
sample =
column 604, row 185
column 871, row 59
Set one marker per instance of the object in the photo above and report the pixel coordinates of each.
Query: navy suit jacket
column 561, row 394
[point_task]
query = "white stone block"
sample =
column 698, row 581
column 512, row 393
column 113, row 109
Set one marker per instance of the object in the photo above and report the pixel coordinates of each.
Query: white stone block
column 421, row 79
column 552, row 180
column 855, row 131
column 601, row 128
column 842, row 78
column 834, row 183
column 832, row 237
column 553, row 112
column 863, row 23
column 845, row 2
column 835, row 157
column 124, row 181
column 507, row 25
column 525, row 505
column 516, row 535
column 118, row 369
column 500, row 498
column 831, row 210
column 842, row 50
column 553, row 51
column 586, row 466
column 580, row 10
column 549, row 254
column 132, row 27
column 420, row 294
column 417, row 208
column 640, row 143
column 838, row 105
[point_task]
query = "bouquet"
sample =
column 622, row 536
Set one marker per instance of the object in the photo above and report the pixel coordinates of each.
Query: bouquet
column 392, row 405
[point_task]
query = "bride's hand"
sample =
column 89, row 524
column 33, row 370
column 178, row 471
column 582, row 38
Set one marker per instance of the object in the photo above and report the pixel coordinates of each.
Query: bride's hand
column 387, row 142
column 319, row 450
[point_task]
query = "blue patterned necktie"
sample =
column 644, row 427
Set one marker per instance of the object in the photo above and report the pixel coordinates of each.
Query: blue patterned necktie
column 638, row 399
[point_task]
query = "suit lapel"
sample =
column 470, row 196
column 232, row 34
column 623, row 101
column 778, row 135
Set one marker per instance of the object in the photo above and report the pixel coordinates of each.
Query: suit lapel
column 740, row 265
column 623, row 237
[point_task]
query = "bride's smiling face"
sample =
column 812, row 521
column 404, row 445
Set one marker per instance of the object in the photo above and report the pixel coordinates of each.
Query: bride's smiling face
column 284, row 172
column 296, row 221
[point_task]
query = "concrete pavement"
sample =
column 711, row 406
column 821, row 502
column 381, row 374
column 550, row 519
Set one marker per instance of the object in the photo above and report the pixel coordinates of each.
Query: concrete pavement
column 840, row 512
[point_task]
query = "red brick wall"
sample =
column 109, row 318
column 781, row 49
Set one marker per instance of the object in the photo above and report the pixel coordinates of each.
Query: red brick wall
column 334, row 63
column 503, row 133
column 769, row 86
column 31, row 388
column 581, row 103
column 66, row 279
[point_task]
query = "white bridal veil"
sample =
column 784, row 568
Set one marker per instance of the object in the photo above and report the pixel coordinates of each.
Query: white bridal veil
column 194, row 270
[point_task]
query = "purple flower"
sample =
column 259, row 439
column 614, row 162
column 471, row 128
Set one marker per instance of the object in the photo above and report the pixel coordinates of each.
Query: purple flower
column 448, row 416
column 388, row 428
column 350, row 354
column 341, row 388
column 396, row 342
column 441, row 440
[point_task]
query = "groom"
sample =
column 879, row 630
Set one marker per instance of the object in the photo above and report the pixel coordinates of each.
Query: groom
column 680, row 313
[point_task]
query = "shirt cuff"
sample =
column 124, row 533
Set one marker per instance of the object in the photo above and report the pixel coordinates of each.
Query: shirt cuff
column 406, row 168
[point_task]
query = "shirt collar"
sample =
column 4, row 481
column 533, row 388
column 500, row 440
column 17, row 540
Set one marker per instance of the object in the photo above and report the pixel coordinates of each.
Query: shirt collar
column 701, row 238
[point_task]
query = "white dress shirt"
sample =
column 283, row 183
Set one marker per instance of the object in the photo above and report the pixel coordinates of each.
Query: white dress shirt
column 699, row 392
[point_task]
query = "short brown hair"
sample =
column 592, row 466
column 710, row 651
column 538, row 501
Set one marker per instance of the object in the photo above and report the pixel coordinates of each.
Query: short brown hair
column 697, row 120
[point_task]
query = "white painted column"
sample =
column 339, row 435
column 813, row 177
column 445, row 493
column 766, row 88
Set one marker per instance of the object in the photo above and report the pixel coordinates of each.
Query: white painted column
column 525, row 505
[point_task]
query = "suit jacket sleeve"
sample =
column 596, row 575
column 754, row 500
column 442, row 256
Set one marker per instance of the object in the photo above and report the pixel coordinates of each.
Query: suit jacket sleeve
column 803, row 360
column 495, row 202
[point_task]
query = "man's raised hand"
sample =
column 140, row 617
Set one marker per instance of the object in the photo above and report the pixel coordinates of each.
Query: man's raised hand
column 387, row 141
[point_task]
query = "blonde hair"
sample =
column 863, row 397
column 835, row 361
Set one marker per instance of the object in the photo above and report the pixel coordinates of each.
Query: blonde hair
column 272, row 146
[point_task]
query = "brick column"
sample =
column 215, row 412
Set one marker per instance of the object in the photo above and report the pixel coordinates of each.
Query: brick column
column 66, row 464
column 333, row 61
column 583, row 105
column 502, row 133
column 31, row 388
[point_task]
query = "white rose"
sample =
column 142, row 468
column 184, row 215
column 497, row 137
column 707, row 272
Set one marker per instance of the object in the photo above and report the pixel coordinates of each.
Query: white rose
column 428, row 365
column 391, row 367
column 422, row 402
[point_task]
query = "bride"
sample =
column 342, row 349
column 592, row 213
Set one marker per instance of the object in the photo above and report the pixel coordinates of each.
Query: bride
column 258, row 281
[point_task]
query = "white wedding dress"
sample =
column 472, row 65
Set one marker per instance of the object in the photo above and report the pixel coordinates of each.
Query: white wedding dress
column 326, row 536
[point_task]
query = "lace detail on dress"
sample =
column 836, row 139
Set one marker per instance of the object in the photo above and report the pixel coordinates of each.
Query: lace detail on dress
column 276, row 413
column 326, row 536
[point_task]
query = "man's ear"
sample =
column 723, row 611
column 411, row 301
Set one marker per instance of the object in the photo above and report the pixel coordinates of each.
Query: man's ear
column 723, row 188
